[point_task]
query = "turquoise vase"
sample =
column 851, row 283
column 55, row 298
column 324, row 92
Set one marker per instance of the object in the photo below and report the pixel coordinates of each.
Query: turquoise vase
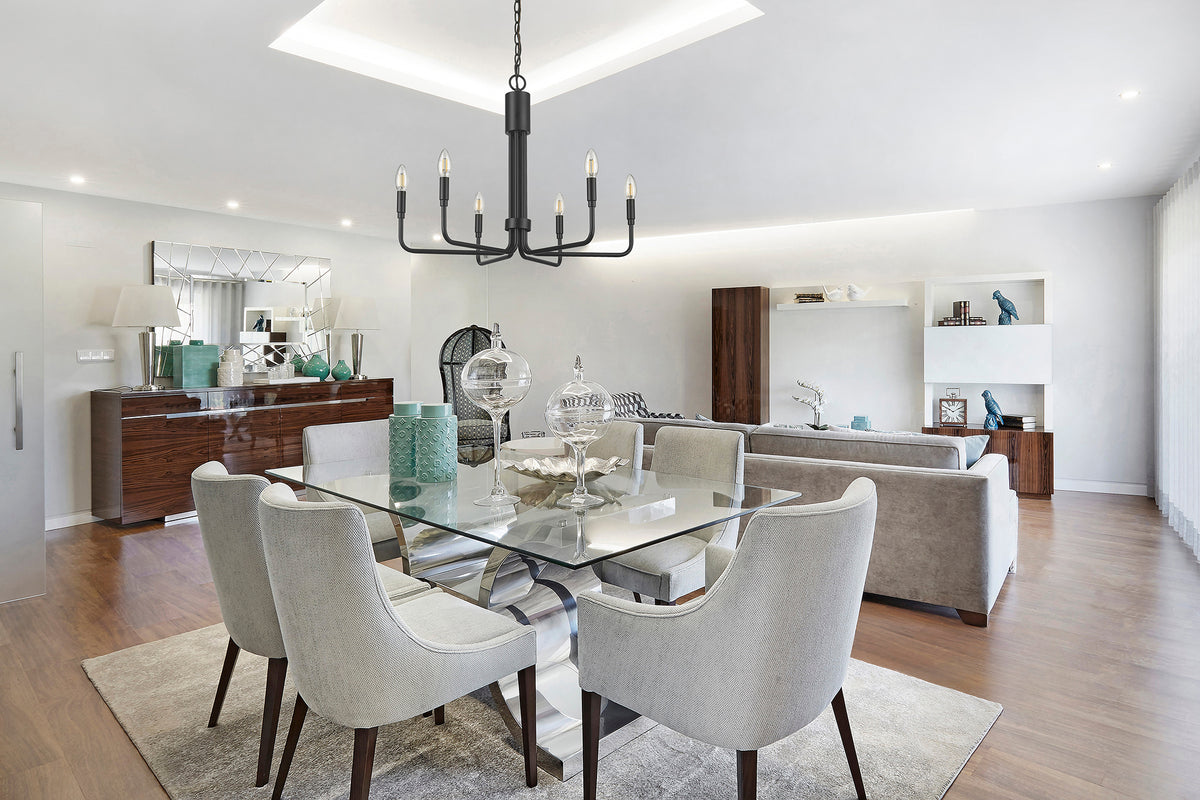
column 340, row 371
column 402, row 439
column 316, row 367
column 298, row 363
column 437, row 444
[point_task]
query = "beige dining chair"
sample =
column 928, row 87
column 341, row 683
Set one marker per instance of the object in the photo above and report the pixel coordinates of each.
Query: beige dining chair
column 755, row 659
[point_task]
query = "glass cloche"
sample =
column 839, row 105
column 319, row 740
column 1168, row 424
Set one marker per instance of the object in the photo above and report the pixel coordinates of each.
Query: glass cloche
column 496, row 379
column 579, row 413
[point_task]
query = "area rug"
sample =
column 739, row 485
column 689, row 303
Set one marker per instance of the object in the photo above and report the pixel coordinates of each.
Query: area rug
column 913, row 738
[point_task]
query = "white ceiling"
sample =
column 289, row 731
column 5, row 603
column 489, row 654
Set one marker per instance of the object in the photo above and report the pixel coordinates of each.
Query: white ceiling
column 814, row 110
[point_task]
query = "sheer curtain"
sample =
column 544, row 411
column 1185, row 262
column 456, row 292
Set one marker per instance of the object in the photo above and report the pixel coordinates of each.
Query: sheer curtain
column 217, row 311
column 1177, row 356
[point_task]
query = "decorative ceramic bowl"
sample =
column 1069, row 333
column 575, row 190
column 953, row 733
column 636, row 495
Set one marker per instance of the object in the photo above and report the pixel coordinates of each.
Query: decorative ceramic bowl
column 561, row 469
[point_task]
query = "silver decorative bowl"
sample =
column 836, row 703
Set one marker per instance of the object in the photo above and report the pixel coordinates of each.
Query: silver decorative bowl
column 561, row 469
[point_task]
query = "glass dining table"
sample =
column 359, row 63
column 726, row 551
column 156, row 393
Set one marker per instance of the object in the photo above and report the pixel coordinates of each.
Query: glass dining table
column 532, row 559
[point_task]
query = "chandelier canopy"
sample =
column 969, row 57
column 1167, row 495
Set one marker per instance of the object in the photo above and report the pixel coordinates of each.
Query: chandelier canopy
column 518, row 225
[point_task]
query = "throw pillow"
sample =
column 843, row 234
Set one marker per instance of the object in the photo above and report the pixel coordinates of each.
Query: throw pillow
column 975, row 447
column 630, row 404
column 702, row 418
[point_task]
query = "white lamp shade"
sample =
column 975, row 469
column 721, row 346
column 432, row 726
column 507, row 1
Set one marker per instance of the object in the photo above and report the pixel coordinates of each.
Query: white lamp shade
column 145, row 306
column 355, row 314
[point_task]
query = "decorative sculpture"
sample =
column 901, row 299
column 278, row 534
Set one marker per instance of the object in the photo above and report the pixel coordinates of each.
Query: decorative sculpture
column 1008, row 312
column 816, row 402
column 855, row 292
column 994, row 414
column 260, row 323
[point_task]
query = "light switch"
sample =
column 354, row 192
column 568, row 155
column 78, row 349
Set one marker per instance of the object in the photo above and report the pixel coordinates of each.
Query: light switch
column 90, row 356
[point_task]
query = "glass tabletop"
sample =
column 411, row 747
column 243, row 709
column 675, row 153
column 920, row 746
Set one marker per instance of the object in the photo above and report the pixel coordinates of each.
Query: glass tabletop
column 641, row 508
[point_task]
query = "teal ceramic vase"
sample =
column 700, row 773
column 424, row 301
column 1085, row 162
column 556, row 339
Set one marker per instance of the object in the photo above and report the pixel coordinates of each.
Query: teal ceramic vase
column 340, row 371
column 316, row 367
column 436, row 444
column 402, row 439
column 298, row 363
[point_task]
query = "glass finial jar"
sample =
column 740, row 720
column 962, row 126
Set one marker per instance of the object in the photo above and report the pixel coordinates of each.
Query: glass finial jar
column 496, row 379
column 579, row 412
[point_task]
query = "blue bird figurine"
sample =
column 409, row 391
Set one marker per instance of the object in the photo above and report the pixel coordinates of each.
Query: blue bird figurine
column 1008, row 312
column 994, row 414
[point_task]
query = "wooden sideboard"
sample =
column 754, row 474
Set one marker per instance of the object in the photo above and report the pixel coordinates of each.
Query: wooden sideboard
column 1030, row 456
column 146, row 444
column 741, row 355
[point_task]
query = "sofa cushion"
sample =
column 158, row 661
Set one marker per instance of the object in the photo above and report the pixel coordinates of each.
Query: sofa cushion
column 652, row 425
column 907, row 450
column 975, row 446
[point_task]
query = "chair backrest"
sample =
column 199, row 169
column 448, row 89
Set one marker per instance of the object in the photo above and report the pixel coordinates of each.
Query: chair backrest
column 622, row 439
column 227, row 509
column 345, row 441
column 457, row 351
column 781, row 618
column 352, row 658
column 711, row 454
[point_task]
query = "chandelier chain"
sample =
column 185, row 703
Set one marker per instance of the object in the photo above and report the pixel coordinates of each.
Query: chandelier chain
column 517, row 81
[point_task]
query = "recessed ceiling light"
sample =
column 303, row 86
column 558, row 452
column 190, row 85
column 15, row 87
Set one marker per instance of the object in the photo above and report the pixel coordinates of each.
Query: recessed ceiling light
column 233, row 204
column 437, row 237
column 1105, row 165
column 346, row 223
column 78, row 180
column 1129, row 94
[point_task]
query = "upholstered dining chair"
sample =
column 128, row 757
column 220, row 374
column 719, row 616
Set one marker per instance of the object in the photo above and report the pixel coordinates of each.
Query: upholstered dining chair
column 623, row 439
column 674, row 568
column 227, row 510
column 755, row 659
column 346, row 441
column 406, row 659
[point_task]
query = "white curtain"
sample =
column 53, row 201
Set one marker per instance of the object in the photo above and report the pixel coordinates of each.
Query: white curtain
column 1177, row 355
column 217, row 311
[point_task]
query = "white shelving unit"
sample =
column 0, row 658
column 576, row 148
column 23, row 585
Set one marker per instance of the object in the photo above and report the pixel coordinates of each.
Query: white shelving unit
column 843, row 305
column 1015, row 360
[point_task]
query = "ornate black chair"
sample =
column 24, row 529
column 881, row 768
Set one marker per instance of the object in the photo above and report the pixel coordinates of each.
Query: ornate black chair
column 474, row 424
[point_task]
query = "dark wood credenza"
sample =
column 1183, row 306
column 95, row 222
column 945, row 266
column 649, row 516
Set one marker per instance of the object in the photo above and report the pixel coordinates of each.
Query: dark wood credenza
column 146, row 444
column 1030, row 456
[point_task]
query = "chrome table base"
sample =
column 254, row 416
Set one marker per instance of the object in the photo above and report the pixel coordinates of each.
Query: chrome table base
column 533, row 593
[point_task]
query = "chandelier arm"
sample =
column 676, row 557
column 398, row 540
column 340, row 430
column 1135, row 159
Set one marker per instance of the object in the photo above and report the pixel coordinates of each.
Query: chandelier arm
column 508, row 253
column 546, row 251
column 479, row 248
column 624, row 252
column 434, row 251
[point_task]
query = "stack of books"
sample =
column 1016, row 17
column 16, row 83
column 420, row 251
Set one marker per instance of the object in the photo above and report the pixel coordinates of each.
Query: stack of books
column 810, row 297
column 1027, row 423
column 961, row 315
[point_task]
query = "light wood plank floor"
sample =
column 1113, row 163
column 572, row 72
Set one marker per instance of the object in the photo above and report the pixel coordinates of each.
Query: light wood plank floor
column 1093, row 649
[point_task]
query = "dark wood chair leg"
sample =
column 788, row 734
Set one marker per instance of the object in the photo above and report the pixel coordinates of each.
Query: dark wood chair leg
column 747, row 765
column 289, row 746
column 427, row 714
column 973, row 618
column 527, row 698
column 658, row 602
column 591, row 743
column 276, row 671
column 637, row 598
column 231, row 654
column 364, row 760
column 843, row 723
column 439, row 715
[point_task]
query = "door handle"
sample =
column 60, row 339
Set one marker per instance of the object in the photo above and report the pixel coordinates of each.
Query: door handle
column 19, row 397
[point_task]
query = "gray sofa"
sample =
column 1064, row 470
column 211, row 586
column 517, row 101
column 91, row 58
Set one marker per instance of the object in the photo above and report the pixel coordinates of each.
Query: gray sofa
column 944, row 534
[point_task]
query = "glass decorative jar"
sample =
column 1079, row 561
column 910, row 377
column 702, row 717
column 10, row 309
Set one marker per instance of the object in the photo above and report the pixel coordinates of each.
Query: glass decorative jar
column 496, row 379
column 579, row 413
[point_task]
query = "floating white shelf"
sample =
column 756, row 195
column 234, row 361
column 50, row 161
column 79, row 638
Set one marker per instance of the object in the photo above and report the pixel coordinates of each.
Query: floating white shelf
column 843, row 304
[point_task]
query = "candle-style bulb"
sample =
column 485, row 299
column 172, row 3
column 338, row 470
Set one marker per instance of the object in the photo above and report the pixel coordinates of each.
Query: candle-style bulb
column 630, row 187
column 558, row 205
column 401, row 179
column 590, row 165
column 479, row 202
column 444, row 164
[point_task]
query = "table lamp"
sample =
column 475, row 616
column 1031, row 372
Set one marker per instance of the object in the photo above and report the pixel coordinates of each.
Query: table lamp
column 356, row 314
column 146, row 307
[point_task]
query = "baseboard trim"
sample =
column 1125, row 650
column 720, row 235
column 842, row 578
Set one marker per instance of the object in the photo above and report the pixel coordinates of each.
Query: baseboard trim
column 1102, row 487
column 69, row 520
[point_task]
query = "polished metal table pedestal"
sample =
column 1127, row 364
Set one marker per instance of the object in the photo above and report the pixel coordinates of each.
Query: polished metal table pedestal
column 533, row 593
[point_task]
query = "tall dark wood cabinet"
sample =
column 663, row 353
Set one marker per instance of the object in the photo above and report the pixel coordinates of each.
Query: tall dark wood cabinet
column 1030, row 456
column 146, row 444
column 741, row 355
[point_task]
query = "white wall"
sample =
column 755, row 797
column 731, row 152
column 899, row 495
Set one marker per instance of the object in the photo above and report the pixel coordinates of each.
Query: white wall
column 644, row 322
column 93, row 246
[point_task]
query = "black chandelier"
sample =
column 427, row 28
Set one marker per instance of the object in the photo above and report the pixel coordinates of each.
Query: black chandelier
column 518, row 225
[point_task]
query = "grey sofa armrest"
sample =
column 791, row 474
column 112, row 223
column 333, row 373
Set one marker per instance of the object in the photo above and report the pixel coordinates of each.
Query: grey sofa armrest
column 716, row 559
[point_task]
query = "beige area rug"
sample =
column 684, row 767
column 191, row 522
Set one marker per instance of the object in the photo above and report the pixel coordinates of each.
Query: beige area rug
column 913, row 739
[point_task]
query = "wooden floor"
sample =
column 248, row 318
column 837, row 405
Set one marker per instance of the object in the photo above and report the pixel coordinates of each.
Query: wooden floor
column 1093, row 649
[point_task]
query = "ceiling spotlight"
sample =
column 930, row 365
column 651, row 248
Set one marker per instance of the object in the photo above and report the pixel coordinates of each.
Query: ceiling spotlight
column 233, row 204
column 1105, row 165
column 78, row 180
column 1129, row 94
column 346, row 223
